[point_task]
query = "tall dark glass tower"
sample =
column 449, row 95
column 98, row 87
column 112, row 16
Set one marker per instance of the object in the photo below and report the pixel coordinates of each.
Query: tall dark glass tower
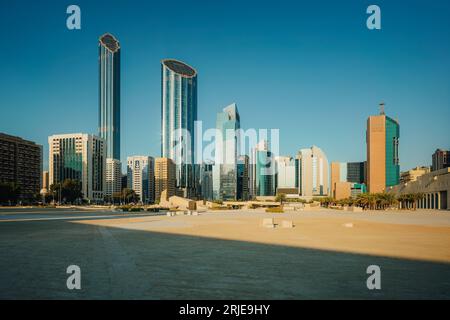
column 178, row 115
column 109, row 94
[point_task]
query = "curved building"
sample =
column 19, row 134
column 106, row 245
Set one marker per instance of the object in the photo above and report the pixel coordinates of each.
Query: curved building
column 109, row 94
column 178, row 115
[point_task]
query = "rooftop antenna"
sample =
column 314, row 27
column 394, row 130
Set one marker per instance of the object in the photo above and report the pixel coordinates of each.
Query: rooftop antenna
column 382, row 104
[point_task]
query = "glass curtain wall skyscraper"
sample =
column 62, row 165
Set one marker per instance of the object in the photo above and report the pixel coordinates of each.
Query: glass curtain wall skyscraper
column 109, row 94
column 228, row 124
column 109, row 107
column 178, row 116
column 262, row 171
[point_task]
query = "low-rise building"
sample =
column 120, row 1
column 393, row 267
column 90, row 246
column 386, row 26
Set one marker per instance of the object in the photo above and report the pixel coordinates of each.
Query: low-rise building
column 434, row 186
column 413, row 174
column 347, row 172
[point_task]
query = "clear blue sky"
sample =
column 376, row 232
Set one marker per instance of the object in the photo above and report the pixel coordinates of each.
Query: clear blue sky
column 310, row 68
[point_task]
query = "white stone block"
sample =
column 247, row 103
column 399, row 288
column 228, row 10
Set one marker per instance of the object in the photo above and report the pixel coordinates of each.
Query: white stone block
column 287, row 224
column 268, row 223
column 348, row 225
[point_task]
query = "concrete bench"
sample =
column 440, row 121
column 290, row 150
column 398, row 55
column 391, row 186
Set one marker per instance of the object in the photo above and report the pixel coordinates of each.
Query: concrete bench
column 348, row 225
column 287, row 224
column 268, row 223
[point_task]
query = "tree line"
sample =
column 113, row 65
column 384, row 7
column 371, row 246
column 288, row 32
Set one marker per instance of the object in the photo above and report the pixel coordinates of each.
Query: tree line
column 376, row 201
column 68, row 191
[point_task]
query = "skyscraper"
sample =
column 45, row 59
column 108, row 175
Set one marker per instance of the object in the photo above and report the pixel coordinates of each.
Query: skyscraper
column 141, row 177
column 79, row 157
column 312, row 172
column 178, row 115
column 109, row 94
column 285, row 172
column 227, row 150
column 109, row 108
column 383, row 169
column 262, row 171
column 207, row 181
column 243, row 167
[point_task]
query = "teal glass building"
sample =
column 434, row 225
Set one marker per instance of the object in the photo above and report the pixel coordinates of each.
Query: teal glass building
column 109, row 94
column 178, row 116
column 392, row 158
column 265, row 178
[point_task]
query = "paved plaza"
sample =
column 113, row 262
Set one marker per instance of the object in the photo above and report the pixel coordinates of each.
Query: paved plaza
column 223, row 255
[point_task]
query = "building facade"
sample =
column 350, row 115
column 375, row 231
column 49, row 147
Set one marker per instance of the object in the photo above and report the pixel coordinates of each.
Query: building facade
column 262, row 171
column 226, row 154
column 21, row 165
column 440, row 160
column 80, row 157
column 165, row 178
column 413, row 174
column 347, row 172
column 285, row 173
column 109, row 110
column 207, row 181
column 243, row 179
column 113, row 178
column 312, row 172
column 178, row 116
column 434, row 186
column 383, row 169
column 45, row 183
column 141, row 177
column 109, row 94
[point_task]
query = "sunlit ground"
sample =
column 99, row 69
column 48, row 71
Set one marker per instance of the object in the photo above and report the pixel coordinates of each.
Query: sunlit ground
column 224, row 255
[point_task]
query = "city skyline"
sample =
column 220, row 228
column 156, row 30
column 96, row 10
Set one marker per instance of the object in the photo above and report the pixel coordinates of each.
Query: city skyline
column 237, row 76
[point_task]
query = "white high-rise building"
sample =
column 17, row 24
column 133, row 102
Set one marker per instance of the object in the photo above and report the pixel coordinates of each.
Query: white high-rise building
column 80, row 157
column 113, row 177
column 141, row 177
column 312, row 172
column 285, row 172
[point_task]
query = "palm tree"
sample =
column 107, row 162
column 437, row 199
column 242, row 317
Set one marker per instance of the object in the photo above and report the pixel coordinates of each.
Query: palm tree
column 281, row 197
column 362, row 200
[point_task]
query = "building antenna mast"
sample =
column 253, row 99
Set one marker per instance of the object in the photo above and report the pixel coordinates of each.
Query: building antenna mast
column 382, row 104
